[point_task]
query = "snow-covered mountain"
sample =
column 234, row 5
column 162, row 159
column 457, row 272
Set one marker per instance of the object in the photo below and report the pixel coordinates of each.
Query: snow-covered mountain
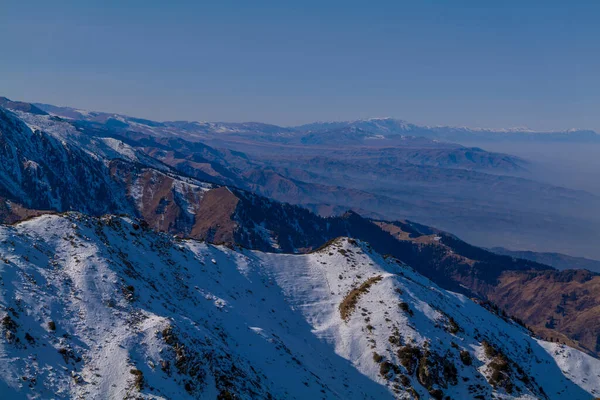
column 383, row 128
column 389, row 127
column 46, row 171
column 103, row 307
column 187, row 129
column 48, row 164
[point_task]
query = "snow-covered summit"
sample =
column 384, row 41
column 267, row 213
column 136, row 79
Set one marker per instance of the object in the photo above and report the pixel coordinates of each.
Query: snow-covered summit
column 97, row 307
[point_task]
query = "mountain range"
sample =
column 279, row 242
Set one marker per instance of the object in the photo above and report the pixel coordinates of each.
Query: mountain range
column 96, row 269
column 361, row 129
column 376, row 167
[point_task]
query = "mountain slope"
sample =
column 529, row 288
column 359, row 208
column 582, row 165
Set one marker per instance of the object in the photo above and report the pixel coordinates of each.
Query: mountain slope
column 21, row 106
column 556, row 304
column 48, row 164
column 398, row 314
column 94, row 307
column 100, row 307
column 41, row 171
column 387, row 133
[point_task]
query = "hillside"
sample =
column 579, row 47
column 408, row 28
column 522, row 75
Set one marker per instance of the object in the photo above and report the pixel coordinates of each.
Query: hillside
column 554, row 304
column 97, row 306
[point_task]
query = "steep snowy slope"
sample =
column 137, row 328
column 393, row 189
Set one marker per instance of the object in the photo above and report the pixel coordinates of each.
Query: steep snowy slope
column 100, row 307
column 43, row 171
column 400, row 329
column 47, row 164
column 98, row 147
column 92, row 307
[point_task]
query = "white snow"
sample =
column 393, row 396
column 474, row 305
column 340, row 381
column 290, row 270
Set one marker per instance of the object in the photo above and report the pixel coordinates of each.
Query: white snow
column 79, row 278
column 581, row 368
column 244, row 322
column 126, row 151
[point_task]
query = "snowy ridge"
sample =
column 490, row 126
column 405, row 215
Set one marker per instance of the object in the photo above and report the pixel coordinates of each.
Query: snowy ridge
column 87, row 301
column 403, row 310
column 96, row 307
column 105, row 148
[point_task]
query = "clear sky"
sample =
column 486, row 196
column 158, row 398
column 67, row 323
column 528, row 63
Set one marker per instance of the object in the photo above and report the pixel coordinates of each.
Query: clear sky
column 476, row 63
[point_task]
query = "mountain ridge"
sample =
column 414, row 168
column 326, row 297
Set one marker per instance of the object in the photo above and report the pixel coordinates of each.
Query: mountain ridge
column 107, row 306
column 374, row 125
column 557, row 260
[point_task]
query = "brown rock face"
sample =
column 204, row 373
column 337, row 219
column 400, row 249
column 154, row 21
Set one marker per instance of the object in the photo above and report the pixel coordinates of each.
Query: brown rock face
column 179, row 206
column 215, row 216
column 157, row 203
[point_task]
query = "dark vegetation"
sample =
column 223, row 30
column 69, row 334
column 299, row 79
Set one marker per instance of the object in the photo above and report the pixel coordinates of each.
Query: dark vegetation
column 186, row 362
column 9, row 323
column 409, row 357
column 432, row 370
column 465, row 357
column 377, row 357
column 138, row 381
column 500, row 371
column 10, row 328
column 129, row 293
column 406, row 308
column 192, row 366
column 452, row 326
column 388, row 367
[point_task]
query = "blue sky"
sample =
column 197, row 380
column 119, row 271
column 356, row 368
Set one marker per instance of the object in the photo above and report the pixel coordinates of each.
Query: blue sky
column 476, row 63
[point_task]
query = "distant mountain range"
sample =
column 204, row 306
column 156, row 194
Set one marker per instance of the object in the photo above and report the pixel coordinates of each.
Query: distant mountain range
column 388, row 127
column 556, row 260
column 359, row 130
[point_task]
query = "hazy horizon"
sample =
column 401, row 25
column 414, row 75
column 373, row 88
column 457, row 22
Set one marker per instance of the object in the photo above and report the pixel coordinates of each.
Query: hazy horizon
column 425, row 124
column 465, row 64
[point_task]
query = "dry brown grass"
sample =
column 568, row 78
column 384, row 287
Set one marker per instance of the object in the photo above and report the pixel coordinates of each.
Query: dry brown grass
column 159, row 208
column 394, row 230
column 570, row 298
column 15, row 212
column 138, row 381
column 349, row 303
